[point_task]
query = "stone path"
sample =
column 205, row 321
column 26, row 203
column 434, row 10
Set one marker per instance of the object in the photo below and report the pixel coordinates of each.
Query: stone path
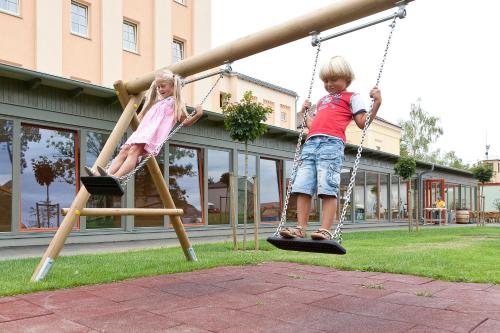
column 272, row 297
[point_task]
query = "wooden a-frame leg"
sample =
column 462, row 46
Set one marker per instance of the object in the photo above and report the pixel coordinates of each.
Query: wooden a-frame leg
column 82, row 197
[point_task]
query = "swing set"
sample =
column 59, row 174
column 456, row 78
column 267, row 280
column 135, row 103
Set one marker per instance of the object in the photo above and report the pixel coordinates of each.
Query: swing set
column 131, row 94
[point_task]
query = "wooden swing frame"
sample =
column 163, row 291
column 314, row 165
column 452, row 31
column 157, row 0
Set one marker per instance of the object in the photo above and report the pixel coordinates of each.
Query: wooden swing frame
column 130, row 95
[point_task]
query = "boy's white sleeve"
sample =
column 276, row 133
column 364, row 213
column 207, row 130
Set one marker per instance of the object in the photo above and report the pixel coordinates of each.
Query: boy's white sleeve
column 357, row 104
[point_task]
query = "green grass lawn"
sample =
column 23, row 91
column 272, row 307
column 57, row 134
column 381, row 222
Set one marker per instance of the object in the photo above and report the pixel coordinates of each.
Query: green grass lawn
column 469, row 254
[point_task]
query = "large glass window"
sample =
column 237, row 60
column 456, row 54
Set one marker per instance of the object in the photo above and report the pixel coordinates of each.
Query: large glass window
column 252, row 172
column 185, row 182
column 48, row 175
column 345, row 176
column 9, row 6
column 177, row 51
column 95, row 143
column 5, row 174
column 147, row 196
column 79, row 19
column 218, row 186
column 291, row 212
column 270, row 190
column 359, row 196
column 395, row 198
column 372, row 196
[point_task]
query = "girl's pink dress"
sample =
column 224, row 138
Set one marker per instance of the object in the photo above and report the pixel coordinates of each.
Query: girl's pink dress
column 155, row 126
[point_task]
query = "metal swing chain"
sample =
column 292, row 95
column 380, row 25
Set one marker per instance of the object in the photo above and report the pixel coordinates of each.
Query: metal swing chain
column 338, row 230
column 125, row 178
column 299, row 142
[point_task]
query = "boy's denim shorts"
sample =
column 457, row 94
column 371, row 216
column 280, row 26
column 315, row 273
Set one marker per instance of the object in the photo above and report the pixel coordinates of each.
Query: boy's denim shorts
column 319, row 167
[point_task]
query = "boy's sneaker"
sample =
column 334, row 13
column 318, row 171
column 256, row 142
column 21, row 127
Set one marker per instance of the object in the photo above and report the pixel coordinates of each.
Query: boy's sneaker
column 322, row 234
column 297, row 232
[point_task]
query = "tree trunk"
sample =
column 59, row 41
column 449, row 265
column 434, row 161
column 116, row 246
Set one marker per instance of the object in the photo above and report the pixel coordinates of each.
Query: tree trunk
column 245, row 208
column 410, row 213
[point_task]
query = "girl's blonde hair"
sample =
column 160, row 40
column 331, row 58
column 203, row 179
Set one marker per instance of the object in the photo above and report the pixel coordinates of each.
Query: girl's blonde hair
column 337, row 68
column 152, row 95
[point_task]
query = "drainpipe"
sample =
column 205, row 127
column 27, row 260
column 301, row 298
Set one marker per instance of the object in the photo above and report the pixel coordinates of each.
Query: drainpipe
column 421, row 194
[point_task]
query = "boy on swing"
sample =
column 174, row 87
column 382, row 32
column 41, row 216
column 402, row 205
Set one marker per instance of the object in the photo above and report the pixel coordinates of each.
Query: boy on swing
column 320, row 163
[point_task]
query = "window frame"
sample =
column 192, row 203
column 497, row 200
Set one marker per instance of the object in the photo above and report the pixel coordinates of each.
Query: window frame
column 135, row 27
column 181, row 2
column 87, row 11
column 177, row 41
column 6, row 11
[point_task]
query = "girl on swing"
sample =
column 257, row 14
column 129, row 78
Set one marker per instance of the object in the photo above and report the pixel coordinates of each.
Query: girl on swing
column 162, row 109
column 321, row 159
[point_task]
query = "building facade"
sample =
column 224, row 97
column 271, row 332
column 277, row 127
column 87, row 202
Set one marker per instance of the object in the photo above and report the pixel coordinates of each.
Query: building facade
column 283, row 101
column 102, row 41
column 48, row 133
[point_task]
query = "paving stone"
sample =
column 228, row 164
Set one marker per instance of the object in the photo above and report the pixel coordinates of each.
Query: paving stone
column 437, row 318
column 7, row 299
column 128, row 321
column 120, row 292
column 356, row 305
column 58, row 298
column 185, row 329
column 161, row 303
column 78, row 309
column 294, row 295
column 155, row 282
column 249, row 286
column 363, row 292
column 401, row 278
column 190, row 289
column 426, row 329
column 44, row 324
column 460, row 285
column 271, row 325
column 20, row 309
column 489, row 326
column 413, row 288
column 213, row 318
column 348, row 322
column 413, row 299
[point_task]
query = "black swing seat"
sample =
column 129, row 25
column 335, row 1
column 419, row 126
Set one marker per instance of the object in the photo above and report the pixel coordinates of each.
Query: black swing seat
column 102, row 185
column 307, row 245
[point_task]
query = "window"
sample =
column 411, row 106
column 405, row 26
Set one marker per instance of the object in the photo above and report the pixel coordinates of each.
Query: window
column 177, row 51
column 48, row 175
column 270, row 190
column 252, row 171
column 6, row 151
column 147, row 196
column 79, row 19
column 129, row 33
column 283, row 116
column 218, row 186
column 182, row 2
column 10, row 6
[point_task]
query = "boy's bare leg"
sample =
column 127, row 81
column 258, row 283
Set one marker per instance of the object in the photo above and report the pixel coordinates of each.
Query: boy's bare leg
column 329, row 210
column 303, row 209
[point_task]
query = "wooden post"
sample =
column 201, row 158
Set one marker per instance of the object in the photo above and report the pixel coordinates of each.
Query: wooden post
column 234, row 211
column 256, row 214
column 336, row 14
column 124, row 211
column 82, row 197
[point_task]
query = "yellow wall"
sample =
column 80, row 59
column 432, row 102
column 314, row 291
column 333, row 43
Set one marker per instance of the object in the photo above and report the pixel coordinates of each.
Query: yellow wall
column 17, row 46
column 496, row 170
column 380, row 136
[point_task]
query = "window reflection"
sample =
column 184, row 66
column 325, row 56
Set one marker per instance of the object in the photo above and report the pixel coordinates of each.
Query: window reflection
column 252, row 172
column 270, row 190
column 95, row 143
column 345, row 176
column 185, row 182
column 291, row 212
column 147, row 196
column 48, row 175
column 359, row 196
column 5, row 175
column 218, row 186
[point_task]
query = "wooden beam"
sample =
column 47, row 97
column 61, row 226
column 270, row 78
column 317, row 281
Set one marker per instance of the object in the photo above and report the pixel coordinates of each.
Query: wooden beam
column 124, row 211
column 334, row 15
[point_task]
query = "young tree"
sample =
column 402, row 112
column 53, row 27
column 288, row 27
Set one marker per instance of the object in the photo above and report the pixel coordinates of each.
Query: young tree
column 405, row 168
column 245, row 123
column 482, row 172
column 419, row 132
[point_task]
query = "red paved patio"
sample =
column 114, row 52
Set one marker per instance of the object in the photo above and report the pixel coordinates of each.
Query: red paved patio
column 272, row 297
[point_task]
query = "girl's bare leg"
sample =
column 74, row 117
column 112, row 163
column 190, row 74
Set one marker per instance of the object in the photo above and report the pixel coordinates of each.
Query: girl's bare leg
column 118, row 160
column 128, row 165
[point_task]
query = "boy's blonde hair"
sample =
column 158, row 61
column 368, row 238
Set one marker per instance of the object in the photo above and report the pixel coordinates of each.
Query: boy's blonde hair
column 152, row 95
column 337, row 68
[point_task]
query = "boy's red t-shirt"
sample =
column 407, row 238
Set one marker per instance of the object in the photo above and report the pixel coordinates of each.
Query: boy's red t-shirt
column 334, row 112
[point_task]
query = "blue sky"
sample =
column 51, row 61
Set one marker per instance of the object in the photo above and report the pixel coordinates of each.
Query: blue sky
column 444, row 52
